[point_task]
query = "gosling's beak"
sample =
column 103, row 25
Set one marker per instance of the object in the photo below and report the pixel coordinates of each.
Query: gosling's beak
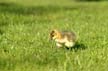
column 51, row 37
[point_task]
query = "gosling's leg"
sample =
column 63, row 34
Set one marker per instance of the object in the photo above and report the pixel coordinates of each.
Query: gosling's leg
column 58, row 45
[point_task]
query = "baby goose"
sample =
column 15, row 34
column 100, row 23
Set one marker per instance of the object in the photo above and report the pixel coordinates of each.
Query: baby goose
column 61, row 38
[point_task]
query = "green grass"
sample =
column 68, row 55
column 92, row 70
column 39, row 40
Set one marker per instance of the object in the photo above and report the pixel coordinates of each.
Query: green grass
column 24, row 35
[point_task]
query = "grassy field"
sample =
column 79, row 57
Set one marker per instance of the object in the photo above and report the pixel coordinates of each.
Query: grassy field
column 24, row 35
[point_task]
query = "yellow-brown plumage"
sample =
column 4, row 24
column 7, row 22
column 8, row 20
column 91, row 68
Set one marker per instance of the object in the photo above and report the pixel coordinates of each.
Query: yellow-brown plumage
column 61, row 38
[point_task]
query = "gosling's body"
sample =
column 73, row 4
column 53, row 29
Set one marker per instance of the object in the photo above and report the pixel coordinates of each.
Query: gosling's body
column 61, row 38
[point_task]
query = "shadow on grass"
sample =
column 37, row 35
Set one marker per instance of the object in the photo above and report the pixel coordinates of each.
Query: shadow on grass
column 37, row 10
column 1, row 31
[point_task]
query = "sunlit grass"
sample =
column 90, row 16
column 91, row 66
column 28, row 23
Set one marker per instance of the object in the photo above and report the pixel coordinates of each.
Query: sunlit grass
column 24, row 36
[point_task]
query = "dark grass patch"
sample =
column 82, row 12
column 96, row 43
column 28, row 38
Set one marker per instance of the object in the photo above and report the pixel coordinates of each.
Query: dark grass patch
column 38, row 10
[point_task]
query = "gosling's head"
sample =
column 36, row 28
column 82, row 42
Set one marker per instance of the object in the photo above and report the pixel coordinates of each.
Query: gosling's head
column 54, row 34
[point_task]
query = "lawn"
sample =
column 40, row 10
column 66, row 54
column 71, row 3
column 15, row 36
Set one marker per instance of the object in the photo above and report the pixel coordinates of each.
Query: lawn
column 24, row 35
